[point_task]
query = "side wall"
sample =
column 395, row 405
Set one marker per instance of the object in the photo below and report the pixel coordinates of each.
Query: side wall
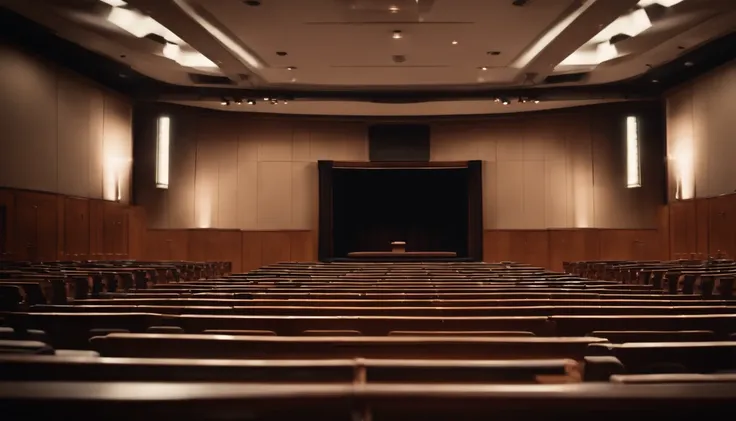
column 701, row 136
column 62, row 133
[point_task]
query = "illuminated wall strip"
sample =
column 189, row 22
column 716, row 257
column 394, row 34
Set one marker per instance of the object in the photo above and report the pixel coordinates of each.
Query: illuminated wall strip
column 633, row 167
column 163, row 133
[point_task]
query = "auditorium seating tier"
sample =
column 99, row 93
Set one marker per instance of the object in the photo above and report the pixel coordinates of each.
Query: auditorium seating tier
column 367, row 340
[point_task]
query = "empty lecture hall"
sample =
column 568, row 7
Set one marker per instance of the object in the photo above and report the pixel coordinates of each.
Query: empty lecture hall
column 367, row 210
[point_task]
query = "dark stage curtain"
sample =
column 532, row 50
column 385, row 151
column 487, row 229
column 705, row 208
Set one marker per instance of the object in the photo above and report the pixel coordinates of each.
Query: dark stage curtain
column 427, row 208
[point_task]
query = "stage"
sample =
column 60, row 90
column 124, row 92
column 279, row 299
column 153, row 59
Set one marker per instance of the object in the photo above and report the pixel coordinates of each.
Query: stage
column 403, row 256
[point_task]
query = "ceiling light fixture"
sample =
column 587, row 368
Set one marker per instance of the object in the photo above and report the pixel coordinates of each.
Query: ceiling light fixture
column 484, row 68
column 291, row 68
column 664, row 3
column 393, row 9
column 454, row 42
column 225, row 102
column 243, row 55
column 140, row 25
column 493, row 53
column 115, row 3
column 536, row 101
column 251, row 102
column 265, row 98
column 397, row 35
column 187, row 58
column 253, row 3
column 505, row 101
column 238, row 101
column 274, row 101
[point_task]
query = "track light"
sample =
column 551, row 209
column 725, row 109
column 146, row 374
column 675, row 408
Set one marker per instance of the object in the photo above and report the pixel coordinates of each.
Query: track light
column 265, row 98
column 238, row 101
column 274, row 101
column 505, row 101
column 251, row 102
column 397, row 35
column 536, row 101
column 225, row 102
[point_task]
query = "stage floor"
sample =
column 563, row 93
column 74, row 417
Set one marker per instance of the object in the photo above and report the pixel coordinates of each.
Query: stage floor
column 409, row 256
column 402, row 255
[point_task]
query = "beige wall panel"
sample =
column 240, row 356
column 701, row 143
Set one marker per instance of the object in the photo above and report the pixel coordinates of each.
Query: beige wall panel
column 227, row 184
column 117, row 149
column 274, row 195
column 510, row 194
column 509, row 137
column 28, row 117
column 556, row 198
column 182, row 167
column 74, row 101
column 247, row 195
column 248, row 140
column 206, row 185
column 700, row 129
column 487, row 142
column 96, row 152
column 534, row 195
column 454, row 142
column 304, row 192
column 490, row 197
column 536, row 138
column 338, row 142
column 355, row 137
column 274, row 140
column 300, row 142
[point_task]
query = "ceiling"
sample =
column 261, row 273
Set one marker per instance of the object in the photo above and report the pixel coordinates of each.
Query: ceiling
column 563, row 52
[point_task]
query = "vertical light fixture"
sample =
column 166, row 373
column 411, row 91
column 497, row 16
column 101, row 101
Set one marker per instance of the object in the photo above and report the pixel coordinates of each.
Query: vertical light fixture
column 633, row 167
column 162, row 152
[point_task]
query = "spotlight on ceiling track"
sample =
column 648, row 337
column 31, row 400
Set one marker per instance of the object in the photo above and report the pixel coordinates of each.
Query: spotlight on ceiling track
column 265, row 98
column 238, row 101
column 454, row 42
column 394, row 9
column 274, row 101
column 291, row 68
column 397, row 34
column 251, row 102
column 505, row 101
column 536, row 101
column 225, row 102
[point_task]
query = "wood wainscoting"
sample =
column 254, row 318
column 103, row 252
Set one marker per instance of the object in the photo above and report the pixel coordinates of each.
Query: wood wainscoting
column 703, row 227
column 247, row 250
column 46, row 226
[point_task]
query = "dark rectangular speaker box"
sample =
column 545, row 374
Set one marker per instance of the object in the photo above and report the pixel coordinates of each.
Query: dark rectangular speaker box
column 398, row 142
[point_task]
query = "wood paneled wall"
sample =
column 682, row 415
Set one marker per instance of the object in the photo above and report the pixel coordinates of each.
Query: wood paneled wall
column 549, row 248
column 47, row 226
column 703, row 227
column 247, row 250
column 62, row 133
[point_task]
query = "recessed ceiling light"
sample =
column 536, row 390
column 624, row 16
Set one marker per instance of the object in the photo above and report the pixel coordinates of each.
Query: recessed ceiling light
column 689, row 64
column 505, row 101
column 484, row 68
column 291, row 68
column 393, row 9
column 224, row 102
column 536, row 101
column 281, row 53
column 454, row 42
column 286, row 102
column 265, row 98
column 397, row 35
column 493, row 53
column 253, row 3
column 251, row 102
column 238, row 102
column 655, row 80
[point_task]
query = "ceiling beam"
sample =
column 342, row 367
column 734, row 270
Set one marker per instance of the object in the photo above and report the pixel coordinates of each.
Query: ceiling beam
column 574, row 30
column 170, row 15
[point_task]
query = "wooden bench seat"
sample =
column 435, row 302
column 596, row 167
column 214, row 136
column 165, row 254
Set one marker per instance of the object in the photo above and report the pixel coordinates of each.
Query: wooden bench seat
column 622, row 336
column 11, row 346
column 720, row 324
column 118, row 401
column 671, row 357
column 264, row 347
column 368, row 325
column 481, row 333
column 672, row 378
column 55, row 368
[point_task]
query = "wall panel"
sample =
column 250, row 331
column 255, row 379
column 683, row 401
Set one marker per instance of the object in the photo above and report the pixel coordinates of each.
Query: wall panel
column 275, row 247
column 75, row 244
column 61, row 133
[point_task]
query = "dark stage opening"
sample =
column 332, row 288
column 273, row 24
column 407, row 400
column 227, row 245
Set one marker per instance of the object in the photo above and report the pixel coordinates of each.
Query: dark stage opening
column 427, row 208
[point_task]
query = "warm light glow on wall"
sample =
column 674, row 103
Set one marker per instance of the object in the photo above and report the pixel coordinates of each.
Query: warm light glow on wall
column 684, row 169
column 633, row 167
column 115, row 169
column 163, row 133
